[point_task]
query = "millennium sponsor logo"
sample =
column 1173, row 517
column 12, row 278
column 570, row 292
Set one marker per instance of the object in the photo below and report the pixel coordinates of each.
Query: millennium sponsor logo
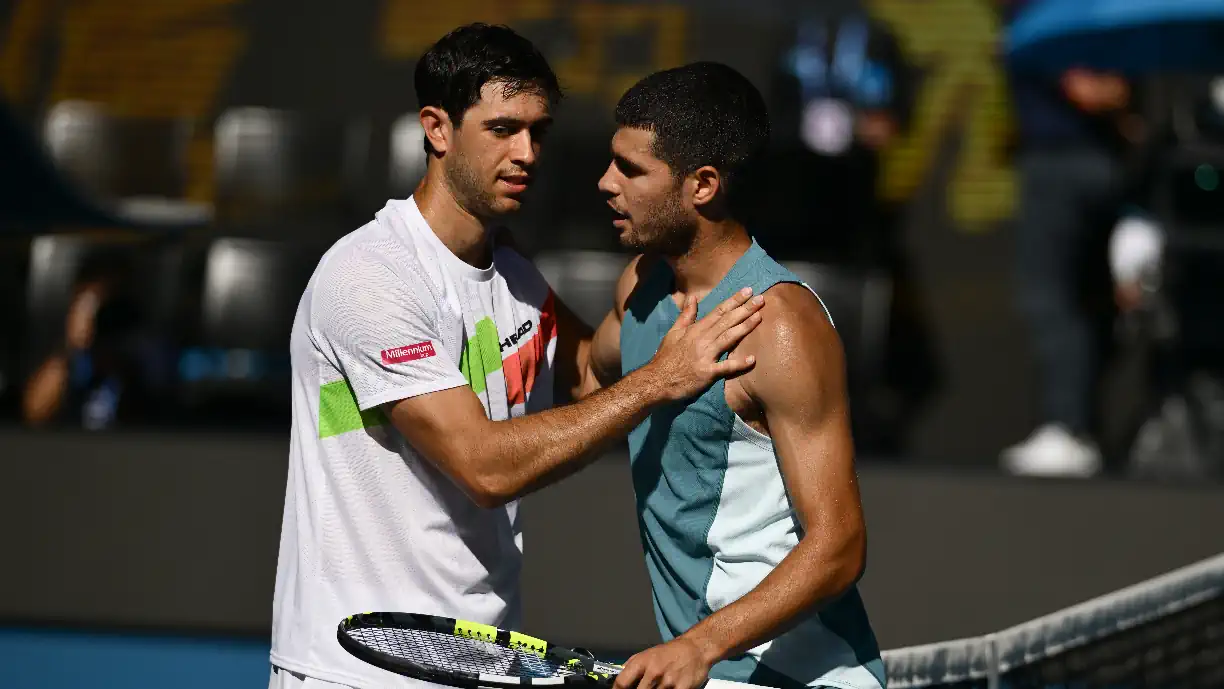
column 412, row 352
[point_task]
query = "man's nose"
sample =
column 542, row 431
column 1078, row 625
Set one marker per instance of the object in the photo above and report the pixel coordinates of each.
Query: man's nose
column 607, row 183
column 526, row 149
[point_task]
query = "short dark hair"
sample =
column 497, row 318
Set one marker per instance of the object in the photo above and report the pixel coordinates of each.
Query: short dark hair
column 452, row 72
column 704, row 113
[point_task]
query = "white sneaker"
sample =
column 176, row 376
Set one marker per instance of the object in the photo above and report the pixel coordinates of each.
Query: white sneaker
column 1052, row 451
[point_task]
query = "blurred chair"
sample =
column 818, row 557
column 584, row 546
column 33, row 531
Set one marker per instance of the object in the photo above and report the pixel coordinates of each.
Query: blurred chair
column 407, row 155
column 134, row 168
column 251, row 291
column 281, row 174
column 584, row 280
column 238, row 348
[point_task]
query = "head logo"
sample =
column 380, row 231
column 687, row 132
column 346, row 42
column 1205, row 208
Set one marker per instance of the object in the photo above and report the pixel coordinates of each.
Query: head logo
column 514, row 337
column 412, row 352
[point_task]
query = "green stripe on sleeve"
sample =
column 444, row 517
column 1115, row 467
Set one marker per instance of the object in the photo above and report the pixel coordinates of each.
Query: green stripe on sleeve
column 338, row 412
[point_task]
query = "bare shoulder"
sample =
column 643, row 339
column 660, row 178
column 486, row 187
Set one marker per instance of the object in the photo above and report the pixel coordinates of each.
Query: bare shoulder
column 793, row 317
column 794, row 341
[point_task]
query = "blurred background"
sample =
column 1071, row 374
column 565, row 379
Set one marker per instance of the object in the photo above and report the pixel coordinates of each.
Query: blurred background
column 1013, row 209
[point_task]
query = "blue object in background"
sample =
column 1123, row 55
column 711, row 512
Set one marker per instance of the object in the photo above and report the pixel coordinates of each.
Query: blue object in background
column 199, row 364
column 1132, row 37
column 68, row 659
column 846, row 72
column 74, row 659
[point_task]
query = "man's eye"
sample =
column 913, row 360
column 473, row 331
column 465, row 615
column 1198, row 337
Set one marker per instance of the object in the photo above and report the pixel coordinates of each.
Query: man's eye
column 501, row 131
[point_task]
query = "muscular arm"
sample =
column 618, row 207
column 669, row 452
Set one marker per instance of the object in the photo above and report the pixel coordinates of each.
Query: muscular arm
column 499, row 461
column 798, row 384
column 589, row 360
column 574, row 338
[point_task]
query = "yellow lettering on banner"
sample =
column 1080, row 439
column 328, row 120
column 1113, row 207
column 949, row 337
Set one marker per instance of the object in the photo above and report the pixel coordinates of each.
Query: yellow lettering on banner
column 955, row 42
column 408, row 27
column 589, row 72
column 19, row 50
column 151, row 59
column 147, row 58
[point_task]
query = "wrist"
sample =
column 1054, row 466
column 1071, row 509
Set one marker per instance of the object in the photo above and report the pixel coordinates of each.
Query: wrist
column 709, row 645
column 650, row 384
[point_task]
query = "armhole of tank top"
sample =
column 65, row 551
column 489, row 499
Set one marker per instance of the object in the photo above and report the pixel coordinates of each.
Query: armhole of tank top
column 655, row 278
column 796, row 280
column 739, row 426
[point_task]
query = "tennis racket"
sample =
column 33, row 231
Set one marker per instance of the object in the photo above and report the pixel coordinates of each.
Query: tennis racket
column 465, row 654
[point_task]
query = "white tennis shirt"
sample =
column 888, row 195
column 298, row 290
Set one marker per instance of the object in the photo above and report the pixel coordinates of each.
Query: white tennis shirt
column 369, row 525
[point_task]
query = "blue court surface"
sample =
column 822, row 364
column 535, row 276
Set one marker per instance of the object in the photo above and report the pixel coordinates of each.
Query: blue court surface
column 69, row 659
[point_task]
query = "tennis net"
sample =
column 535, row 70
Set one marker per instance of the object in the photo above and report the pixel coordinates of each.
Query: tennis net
column 1165, row 633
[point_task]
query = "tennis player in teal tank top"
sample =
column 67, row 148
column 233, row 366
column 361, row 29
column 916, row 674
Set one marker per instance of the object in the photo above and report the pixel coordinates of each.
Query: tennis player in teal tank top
column 747, row 497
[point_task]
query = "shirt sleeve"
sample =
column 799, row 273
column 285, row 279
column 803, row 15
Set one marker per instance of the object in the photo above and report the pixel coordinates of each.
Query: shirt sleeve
column 380, row 327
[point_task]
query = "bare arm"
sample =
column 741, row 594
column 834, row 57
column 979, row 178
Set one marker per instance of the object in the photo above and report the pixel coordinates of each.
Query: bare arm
column 44, row 392
column 799, row 384
column 571, row 362
column 588, row 360
column 498, row 461
column 602, row 363
column 1095, row 92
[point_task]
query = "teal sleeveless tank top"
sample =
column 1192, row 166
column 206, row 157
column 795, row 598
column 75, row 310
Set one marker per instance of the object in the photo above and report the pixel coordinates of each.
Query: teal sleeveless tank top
column 713, row 511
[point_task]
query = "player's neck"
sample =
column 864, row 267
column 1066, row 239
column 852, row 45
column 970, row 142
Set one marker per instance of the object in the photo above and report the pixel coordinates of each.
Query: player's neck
column 715, row 250
column 464, row 234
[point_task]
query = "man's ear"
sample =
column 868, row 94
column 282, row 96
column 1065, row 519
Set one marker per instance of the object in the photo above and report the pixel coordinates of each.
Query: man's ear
column 437, row 127
column 706, row 185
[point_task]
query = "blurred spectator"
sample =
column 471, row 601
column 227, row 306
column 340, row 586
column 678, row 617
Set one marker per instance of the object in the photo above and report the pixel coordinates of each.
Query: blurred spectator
column 840, row 98
column 842, row 95
column 1071, row 166
column 101, row 375
column 1135, row 249
column 1166, row 261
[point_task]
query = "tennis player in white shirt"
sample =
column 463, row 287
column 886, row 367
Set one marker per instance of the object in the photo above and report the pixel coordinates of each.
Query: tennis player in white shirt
column 426, row 364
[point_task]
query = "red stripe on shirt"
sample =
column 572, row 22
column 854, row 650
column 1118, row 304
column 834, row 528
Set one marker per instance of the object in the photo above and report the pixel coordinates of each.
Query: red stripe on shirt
column 521, row 367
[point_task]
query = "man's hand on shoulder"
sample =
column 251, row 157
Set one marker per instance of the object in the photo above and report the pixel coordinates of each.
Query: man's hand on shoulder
column 688, row 359
column 498, row 461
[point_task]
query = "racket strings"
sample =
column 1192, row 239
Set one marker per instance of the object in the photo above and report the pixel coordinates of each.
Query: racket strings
column 457, row 654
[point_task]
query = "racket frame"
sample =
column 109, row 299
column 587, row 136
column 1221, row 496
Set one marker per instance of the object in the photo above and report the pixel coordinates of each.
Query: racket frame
column 588, row 671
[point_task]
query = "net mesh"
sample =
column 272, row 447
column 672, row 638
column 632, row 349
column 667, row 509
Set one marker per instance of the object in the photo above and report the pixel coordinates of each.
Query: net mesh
column 457, row 654
column 1166, row 633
